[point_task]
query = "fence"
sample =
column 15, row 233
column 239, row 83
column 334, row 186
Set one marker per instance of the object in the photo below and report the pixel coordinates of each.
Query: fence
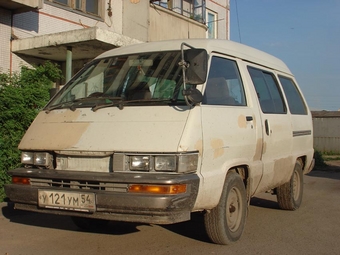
column 326, row 125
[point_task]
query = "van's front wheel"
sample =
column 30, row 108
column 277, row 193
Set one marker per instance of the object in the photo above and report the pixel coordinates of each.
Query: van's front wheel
column 289, row 195
column 225, row 223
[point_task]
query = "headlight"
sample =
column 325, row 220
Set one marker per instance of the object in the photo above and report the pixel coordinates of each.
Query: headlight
column 180, row 163
column 187, row 163
column 140, row 163
column 36, row 158
column 165, row 163
column 41, row 159
column 27, row 158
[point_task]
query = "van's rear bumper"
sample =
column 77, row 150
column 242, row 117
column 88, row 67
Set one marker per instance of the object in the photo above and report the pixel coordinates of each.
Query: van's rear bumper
column 111, row 203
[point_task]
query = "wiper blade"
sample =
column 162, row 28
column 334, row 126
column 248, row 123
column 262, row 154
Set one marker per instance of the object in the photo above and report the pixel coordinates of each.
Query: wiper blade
column 122, row 102
column 71, row 104
column 118, row 101
column 60, row 106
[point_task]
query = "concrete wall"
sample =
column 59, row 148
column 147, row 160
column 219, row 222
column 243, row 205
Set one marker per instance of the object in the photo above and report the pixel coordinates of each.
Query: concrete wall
column 136, row 19
column 54, row 19
column 5, row 32
column 327, row 134
column 221, row 7
column 30, row 3
column 166, row 25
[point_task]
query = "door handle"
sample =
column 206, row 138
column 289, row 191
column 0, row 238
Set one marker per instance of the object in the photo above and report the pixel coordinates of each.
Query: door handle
column 249, row 118
column 266, row 125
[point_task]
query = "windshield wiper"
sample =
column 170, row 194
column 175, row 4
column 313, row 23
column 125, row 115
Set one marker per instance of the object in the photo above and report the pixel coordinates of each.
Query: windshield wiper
column 60, row 106
column 71, row 104
column 122, row 102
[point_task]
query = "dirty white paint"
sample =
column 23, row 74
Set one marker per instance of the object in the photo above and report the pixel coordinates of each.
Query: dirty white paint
column 223, row 136
column 152, row 129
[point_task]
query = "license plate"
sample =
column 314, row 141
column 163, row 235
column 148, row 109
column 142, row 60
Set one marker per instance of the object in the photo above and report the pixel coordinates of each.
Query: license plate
column 75, row 201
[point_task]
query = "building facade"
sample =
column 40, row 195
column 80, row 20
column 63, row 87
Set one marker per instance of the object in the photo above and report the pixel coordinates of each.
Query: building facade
column 72, row 32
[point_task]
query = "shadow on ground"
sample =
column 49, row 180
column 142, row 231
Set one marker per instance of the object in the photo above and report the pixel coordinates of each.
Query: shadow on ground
column 63, row 222
column 331, row 170
column 264, row 203
column 193, row 229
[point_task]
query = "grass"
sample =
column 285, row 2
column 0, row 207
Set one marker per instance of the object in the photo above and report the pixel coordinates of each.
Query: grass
column 329, row 158
column 321, row 157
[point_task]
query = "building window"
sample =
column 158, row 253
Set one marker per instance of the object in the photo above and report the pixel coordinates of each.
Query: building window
column 212, row 24
column 92, row 7
column 194, row 9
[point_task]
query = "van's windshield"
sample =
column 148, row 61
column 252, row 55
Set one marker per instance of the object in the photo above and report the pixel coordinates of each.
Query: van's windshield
column 143, row 79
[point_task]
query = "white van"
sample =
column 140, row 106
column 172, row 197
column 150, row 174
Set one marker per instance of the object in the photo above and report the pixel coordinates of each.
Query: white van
column 153, row 132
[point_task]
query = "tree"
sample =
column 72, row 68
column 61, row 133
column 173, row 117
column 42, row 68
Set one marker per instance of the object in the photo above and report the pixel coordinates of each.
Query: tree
column 22, row 96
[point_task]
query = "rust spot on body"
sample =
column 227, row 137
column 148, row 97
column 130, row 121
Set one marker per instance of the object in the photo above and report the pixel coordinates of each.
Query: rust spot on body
column 283, row 169
column 54, row 131
column 242, row 122
column 258, row 151
column 218, row 147
column 199, row 146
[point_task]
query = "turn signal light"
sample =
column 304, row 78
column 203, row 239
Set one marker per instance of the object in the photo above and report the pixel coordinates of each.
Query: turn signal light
column 158, row 189
column 20, row 180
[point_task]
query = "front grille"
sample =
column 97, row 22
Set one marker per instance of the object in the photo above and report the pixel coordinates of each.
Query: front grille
column 86, row 185
column 81, row 163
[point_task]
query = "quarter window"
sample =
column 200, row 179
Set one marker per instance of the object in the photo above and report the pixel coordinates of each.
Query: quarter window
column 294, row 98
column 224, row 85
column 268, row 92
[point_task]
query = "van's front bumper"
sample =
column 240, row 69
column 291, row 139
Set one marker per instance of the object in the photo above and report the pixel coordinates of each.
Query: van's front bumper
column 113, row 200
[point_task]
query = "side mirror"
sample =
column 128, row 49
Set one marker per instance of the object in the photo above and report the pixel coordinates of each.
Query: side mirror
column 196, row 73
column 194, row 95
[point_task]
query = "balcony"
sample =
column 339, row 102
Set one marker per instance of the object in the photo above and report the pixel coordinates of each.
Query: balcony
column 21, row 5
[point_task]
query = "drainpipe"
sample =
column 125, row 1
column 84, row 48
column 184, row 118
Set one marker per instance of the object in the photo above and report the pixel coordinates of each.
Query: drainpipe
column 68, row 63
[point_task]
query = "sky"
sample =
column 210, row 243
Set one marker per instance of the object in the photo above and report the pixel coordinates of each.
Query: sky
column 305, row 34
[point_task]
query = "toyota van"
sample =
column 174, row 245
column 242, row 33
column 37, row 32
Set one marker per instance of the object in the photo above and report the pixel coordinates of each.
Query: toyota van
column 156, row 131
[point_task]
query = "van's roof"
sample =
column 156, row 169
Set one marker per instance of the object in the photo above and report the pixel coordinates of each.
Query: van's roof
column 211, row 45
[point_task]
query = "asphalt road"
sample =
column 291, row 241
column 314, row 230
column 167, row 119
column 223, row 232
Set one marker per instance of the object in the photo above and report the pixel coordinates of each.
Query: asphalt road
column 313, row 229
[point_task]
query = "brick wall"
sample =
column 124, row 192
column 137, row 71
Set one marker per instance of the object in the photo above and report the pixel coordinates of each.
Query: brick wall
column 5, row 32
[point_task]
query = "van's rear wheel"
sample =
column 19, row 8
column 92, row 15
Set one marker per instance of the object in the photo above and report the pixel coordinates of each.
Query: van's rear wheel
column 289, row 195
column 89, row 223
column 225, row 223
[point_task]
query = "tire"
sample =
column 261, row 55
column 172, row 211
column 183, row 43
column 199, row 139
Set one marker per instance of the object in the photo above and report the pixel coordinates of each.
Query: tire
column 289, row 195
column 225, row 223
column 89, row 223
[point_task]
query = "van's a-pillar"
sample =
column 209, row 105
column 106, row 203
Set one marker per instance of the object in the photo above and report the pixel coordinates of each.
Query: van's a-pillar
column 68, row 63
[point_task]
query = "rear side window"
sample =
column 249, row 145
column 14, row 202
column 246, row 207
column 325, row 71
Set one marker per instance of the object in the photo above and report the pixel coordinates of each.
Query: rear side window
column 224, row 85
column 268, row 91
column 294, row 98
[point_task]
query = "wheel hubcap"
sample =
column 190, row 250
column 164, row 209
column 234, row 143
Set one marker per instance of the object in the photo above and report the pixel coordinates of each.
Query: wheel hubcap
column 234, row 209
column 296, row 185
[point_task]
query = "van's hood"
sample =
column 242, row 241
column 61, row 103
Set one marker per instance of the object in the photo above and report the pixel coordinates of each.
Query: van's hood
column 148, row 129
